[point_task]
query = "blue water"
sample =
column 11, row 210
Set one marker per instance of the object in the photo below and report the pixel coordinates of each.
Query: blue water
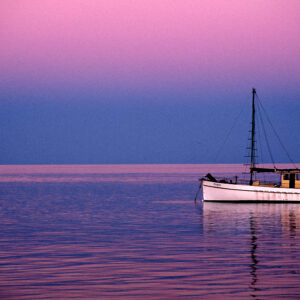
column 113, row 232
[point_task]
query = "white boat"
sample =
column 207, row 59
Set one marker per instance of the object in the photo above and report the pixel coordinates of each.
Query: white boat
column 228, row 190
column 215, row 191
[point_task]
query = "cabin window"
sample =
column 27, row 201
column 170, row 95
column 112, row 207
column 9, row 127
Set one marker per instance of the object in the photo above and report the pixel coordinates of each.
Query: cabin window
column 286, row 177
column 297, row 176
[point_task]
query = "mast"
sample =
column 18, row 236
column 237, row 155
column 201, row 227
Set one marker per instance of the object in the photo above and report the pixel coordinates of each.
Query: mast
column 252, row 164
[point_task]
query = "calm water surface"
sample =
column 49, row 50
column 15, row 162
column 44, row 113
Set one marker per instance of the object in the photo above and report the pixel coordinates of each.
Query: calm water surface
column 134, row 232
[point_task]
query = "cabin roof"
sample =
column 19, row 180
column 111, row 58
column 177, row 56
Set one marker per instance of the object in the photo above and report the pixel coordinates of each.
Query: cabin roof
column 275, row 170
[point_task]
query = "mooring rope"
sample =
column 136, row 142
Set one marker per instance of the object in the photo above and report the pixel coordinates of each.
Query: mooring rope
column 199, row 189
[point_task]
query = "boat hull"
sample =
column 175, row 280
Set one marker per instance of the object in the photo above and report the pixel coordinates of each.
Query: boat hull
column 215, row 191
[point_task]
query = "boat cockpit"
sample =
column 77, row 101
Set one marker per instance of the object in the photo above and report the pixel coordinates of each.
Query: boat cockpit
column 290, row 178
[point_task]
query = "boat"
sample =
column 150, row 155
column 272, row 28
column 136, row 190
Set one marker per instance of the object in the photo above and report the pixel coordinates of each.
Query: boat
column 253, row 189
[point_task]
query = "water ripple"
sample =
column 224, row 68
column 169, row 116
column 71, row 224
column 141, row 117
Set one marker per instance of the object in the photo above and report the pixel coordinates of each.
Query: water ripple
column 110, row 239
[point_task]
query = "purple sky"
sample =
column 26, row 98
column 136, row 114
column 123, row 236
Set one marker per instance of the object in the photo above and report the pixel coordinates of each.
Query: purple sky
column 86, row 81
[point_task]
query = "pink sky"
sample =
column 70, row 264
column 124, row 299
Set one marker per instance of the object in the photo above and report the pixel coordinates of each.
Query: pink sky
column 118, row 43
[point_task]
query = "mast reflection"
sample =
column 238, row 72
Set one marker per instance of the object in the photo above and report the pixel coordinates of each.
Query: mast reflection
column 241, row 220
column 260, row 242
column 254, row 260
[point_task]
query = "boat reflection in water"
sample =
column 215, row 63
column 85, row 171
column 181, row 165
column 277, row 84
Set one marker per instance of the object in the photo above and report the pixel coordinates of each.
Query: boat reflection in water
column 266, row 239
column 131, row 232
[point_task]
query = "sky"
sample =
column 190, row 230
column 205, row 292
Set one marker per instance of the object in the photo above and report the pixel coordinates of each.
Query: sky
column 148, row 81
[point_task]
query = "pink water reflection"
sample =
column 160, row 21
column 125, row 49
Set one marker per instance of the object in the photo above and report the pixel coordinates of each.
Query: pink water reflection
column 86, row 173
column 110, row 239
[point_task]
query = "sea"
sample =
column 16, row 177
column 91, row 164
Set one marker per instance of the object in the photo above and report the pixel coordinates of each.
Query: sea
column 136, row 232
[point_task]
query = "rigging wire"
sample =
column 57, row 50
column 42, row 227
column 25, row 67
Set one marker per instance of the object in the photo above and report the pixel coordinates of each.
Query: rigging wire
column 247, row 164
column 228, row 134
column 276, row 134
column 246, row 156
column 260, row 146
column 266, row 137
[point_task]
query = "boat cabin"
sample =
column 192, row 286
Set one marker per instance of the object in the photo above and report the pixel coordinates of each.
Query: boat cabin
column 290, row 178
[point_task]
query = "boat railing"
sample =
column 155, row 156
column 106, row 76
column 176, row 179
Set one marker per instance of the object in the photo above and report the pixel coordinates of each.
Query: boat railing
column 237, row 180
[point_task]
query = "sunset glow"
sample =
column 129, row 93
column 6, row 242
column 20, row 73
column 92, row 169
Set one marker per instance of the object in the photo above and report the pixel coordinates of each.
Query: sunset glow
column 110, row 81
column 104, row 45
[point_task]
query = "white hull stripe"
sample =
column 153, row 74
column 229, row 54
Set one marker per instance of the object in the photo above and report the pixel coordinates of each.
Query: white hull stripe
column 253, row 191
